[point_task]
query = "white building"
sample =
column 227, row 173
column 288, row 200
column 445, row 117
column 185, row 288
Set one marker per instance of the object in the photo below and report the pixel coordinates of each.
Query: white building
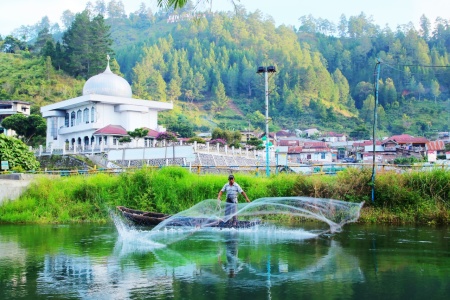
column 9, row 108
column 103, row 114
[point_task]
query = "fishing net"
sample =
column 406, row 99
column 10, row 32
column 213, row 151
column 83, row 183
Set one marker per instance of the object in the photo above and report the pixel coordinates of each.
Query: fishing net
column 214, row 214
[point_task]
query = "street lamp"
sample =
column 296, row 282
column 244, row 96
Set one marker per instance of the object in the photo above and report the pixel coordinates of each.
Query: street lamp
column 266, row 70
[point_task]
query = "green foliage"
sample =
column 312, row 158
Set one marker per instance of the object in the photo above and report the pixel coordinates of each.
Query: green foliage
column 211, row 64
column 411, row 197
column 17, row 154
column 197, row 139
column 182, row 127
column 86, row 44
column 360, row 133
column 407, row 160
column 28, row 127
column 27, row 79
column 138, row 133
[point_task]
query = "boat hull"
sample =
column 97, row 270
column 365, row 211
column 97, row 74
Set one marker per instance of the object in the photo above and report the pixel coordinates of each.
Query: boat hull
column 144, row 218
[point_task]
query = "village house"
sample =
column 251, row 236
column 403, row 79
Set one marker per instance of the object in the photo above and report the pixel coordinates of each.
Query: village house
column 435, row 149
column 285, row 134
column 101, row 116
column 444, row 136
column 246, row 135
column 311, row 132
column 9, row 108
column 333, row 137
column 406, row 142
column 306, row 152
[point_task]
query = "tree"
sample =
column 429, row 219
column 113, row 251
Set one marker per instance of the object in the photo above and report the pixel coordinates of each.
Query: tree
column 173, row 3
column 174, row 89
column 43, row 37
column 26, row 127
column 367, row 109
column 12, row 45
column 100, row 7
column 17, row 154
column 425, row 27
column 221, row 99
column 86, row 44
column 67, row 18
column 256, row 143
column 435, row 89
column 182, row 127
column 360, row 133
column 420, row 89
column 167, row 136
column 116, row 9
column 137, row 134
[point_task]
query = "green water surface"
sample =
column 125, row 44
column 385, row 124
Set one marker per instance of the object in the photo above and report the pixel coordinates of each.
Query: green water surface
column 103, row 262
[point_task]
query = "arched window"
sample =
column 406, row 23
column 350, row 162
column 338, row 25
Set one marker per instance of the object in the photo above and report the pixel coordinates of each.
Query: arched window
column 79, row 117
column 66, row 120
column 92, row 114
column 86, row 115
column 72, row 119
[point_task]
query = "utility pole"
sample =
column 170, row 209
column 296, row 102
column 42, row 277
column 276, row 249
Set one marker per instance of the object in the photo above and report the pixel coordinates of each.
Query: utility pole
column 265, row 70
column 375, row 115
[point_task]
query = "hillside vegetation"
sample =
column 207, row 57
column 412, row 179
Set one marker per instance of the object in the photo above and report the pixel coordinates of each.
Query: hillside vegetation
column 206, row 64
column 29, row 78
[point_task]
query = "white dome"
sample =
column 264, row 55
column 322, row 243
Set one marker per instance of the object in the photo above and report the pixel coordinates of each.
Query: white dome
column 108, row 84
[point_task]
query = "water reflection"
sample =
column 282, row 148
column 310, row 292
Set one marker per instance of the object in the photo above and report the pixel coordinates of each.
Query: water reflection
column 88, row 262
column 232, row 265
column 251, row 259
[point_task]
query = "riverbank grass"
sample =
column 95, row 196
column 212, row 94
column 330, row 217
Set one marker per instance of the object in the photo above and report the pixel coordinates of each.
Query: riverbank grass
column 415, row 197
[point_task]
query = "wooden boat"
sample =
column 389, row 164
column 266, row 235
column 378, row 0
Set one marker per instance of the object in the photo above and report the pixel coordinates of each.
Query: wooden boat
column 145, row 218
column 139, row 217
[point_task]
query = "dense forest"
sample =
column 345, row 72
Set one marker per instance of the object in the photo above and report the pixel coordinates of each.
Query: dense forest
column 206, row 64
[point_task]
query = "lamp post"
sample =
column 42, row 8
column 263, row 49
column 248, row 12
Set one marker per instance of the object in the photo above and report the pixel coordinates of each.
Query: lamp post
column 266, row 70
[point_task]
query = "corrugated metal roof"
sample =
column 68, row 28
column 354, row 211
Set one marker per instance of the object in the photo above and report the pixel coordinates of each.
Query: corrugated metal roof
column 406, row 138
column 436, row 145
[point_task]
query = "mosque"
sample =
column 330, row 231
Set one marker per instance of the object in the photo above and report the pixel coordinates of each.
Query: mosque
column 102, row 115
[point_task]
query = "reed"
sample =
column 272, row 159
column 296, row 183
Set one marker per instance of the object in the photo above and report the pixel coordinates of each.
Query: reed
column 416, row 197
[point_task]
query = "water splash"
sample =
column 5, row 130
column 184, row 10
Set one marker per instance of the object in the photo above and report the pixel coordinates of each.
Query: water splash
column 265, row 214
column 209, row 215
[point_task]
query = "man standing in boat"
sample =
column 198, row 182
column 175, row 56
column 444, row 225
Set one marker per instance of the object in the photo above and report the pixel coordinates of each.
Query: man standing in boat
column 232, row 190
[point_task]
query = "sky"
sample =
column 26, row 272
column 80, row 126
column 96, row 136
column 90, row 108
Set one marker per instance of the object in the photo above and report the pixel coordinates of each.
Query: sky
column 15, row 13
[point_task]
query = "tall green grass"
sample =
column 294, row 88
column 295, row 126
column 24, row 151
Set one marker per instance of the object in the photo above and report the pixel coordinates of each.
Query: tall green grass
column 420, row 197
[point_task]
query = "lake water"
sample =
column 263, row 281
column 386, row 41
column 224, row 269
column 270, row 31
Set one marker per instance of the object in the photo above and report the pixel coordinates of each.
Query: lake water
column 105, row 262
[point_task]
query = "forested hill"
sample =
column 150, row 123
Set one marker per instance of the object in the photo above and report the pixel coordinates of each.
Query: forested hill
column 206, row 64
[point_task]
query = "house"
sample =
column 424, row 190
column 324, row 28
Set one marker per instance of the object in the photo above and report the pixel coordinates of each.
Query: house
column 310, row 132
column 292, row 141
column 246, row 135
column 9, row 108
column 333, row 137
column 315, row 152
column 344, row 149
column 102, row 115
column 435, row 149
column 407, row 142
column 445, row 136
column 284, row 134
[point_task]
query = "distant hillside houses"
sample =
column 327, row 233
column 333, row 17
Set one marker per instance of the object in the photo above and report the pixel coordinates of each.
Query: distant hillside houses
column 185, row 16
column 9, row 108
column 334, row 147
